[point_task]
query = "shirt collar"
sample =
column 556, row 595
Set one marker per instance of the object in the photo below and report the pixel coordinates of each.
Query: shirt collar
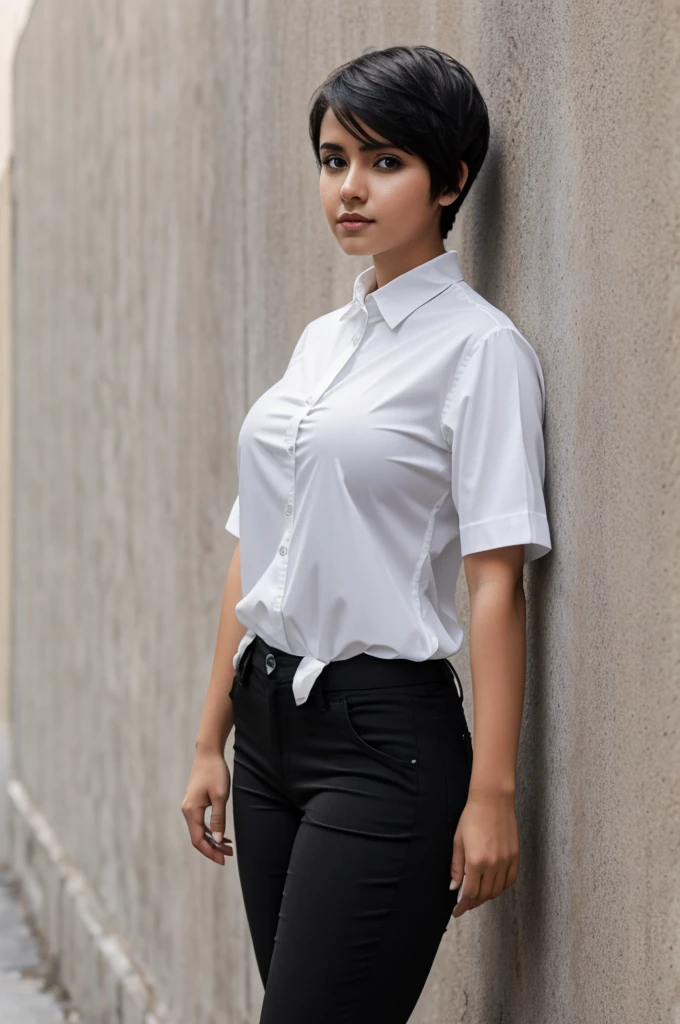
column 405, row 293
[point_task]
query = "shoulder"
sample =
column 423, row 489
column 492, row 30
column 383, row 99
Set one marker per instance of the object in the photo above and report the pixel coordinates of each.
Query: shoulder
column 480, row 331
column 465, row 324
column 471, row 308
column 495, row 360
column 319, row 327
column 314, row 328
column 475, row 320
column 330, row 319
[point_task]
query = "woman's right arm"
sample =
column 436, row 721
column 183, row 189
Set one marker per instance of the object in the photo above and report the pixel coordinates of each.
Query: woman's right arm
column 210, row 782
column 218, row 716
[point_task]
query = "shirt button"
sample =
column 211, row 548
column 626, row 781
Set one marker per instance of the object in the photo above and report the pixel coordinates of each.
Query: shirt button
column 291, row 450
column 288, row 509
column 355, row 339
column 282, row 550
column 310, row 399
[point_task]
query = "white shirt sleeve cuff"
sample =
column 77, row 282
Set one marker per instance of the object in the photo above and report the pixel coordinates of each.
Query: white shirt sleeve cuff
column 528, row 528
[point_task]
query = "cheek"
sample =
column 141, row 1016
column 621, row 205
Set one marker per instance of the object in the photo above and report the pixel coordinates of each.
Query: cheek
column 405, row 197
column 329, row 195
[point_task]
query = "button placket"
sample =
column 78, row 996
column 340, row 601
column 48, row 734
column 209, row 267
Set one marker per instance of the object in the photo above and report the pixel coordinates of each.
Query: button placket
column 310, row 400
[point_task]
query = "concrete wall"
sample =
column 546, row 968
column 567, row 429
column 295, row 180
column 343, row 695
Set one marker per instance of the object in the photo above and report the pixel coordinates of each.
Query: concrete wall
column 159, row 289
column 13, row 15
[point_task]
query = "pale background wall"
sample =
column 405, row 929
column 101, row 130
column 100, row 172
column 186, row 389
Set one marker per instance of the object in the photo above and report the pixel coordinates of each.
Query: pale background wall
column 13, row 16
column 159, row 289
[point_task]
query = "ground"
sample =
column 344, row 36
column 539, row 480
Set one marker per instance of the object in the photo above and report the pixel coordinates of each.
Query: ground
column 27, row 994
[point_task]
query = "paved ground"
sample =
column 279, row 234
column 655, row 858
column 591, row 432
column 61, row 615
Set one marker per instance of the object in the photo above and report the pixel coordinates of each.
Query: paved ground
column 26, row 995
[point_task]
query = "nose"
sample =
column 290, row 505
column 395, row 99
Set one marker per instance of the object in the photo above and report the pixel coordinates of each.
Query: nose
column 349, row 190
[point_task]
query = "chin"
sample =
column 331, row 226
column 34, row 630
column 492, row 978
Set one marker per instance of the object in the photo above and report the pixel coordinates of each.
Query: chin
column 357, row 246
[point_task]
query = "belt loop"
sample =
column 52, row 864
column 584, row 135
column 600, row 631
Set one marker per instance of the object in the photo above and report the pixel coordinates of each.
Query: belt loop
column 459, row 685
column 244, row 662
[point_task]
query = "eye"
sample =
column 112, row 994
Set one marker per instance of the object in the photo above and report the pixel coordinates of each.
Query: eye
column 327, row 161
column 397, row 162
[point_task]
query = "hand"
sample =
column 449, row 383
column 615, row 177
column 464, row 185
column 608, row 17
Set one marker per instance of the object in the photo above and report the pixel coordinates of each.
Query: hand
column 485, row 849
column 209, row 785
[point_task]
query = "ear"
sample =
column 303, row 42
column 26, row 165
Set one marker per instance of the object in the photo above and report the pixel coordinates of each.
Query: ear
column 446, row 198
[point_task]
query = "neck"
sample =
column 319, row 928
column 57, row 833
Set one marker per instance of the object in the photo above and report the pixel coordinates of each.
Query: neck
column 393, row 262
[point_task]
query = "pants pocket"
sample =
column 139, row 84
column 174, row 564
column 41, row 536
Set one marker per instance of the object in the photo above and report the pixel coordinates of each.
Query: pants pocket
column 383, row 726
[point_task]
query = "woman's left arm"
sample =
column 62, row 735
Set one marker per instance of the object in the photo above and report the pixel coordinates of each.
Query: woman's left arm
column 486, row 843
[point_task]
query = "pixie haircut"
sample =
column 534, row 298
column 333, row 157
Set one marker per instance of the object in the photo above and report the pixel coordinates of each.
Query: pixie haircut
column 420, row 99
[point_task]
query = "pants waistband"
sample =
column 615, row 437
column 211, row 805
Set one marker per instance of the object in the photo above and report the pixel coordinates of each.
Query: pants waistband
column 362, row 671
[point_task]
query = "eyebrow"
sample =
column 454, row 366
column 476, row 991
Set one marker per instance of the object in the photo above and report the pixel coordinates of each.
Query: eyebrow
column 364, row 146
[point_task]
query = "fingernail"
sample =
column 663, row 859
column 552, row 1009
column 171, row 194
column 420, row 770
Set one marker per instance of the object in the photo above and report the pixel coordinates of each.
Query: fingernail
column 217, row 836
column 453, row 884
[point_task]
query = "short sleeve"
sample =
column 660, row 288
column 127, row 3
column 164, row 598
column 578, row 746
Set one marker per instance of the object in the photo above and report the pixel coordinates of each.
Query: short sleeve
column 493, row 421
column 233, row 520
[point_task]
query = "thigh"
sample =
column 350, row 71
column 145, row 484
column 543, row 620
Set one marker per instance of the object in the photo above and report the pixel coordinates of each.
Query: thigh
column 366, row 898
column 360, row 923
column 265, row 828
column 265, row 820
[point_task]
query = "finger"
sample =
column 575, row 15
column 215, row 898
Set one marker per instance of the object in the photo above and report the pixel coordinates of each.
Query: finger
column 199, row 841
column 218, row 817
column 499, row 882
column 194, row 816
column 224, row 844
column 457, row 862
column 513, row 872
column 491, row 885
column 210, row 852
column 507, row 877
column 470, row 891
column 486, row 885
column 195, row 819
column 224, row 847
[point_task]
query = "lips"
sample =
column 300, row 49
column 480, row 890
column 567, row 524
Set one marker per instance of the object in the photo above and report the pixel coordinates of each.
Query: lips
column 354, row 224
column 354, row 219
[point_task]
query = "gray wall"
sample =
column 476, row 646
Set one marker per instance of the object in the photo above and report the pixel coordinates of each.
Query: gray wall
column 160, row 285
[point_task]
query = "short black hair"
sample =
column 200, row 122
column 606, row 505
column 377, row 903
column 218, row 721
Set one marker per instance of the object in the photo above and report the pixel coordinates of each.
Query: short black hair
column 420, row 99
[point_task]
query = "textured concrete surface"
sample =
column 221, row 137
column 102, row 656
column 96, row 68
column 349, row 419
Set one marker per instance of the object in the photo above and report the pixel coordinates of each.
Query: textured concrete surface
column 27, row 994
column 161, row 282
column 13, row 17
column 6, row 475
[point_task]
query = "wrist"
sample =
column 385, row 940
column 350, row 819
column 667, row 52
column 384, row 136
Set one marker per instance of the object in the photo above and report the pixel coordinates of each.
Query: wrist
column 207, row 746
column 500, row 789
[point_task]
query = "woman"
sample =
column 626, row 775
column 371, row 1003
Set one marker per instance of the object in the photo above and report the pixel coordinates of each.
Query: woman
column 404, row 438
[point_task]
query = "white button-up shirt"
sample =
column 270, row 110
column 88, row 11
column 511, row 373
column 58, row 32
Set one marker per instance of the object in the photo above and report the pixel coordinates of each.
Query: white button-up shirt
column 405, row 433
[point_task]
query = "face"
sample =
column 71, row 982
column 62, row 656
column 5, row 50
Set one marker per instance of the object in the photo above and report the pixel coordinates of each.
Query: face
column 386, row 185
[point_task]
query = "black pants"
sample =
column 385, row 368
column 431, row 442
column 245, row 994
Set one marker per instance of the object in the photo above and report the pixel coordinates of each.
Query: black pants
column 344, row 810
